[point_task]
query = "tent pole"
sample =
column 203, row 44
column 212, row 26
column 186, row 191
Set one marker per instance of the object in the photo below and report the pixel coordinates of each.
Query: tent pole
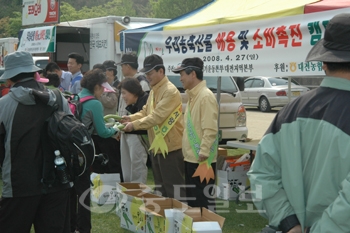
column 218, row 98
column 289, row 88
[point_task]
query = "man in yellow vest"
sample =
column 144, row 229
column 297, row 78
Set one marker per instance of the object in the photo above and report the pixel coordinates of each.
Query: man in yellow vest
column 200, row 141
column 162, row 118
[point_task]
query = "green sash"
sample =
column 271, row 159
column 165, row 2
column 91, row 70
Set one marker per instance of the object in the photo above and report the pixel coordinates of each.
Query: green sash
column 160, row 132
column 204, row 172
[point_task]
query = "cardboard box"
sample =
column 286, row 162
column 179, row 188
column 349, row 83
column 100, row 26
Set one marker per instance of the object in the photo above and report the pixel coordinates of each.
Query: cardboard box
column 103, row 190
column 160, row 214
column 197, row 220
column 206, row 227
column 232, row 182
column 121, row 187
column 223, row 161
column 131, row 217
column 222, row 151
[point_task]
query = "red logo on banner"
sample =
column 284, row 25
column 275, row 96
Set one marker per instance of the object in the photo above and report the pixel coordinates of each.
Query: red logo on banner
column 52, row 13
column 52, row 4
column 34, row 9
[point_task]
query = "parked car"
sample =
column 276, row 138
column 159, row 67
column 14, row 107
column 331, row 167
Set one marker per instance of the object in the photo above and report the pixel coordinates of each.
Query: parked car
column 232, row 112
column 40, row 62
column 268, row 92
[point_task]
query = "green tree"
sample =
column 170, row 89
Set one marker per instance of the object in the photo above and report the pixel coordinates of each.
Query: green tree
column 3, row 25
column 142, row 8
column 115, row 7
column 79, row 4
column 68, row 13
column 9, row 6
column 171, row 9
column 15, row 24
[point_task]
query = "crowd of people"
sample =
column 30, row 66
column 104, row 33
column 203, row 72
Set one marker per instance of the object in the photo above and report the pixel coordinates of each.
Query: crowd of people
column 302, row 153
column 145, row 100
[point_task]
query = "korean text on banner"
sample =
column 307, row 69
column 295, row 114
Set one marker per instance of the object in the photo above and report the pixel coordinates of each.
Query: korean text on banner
column 266, row 47
column 38, row 40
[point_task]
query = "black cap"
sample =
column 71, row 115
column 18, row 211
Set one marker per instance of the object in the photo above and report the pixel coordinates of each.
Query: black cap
column 110, row 65
column 335, row 46
column 194, row 63
column 128, row 58
column 99, row 66
column 151, row 62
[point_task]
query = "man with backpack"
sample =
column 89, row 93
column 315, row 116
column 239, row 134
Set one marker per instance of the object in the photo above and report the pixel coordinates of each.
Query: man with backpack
column 25, row 201
column 134, row 154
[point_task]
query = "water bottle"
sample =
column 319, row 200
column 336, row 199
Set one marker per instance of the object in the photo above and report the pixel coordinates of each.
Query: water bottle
column 61, row 166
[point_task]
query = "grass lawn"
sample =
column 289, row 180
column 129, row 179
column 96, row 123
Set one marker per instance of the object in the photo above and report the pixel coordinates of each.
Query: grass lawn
column 105, row 220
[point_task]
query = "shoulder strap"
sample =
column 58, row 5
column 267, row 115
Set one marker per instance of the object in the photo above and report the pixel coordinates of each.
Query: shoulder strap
column 59, row 101
column 77, row 78
column 86, row 98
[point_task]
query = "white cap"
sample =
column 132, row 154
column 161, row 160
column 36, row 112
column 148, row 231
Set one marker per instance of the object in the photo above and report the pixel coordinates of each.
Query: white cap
column 57, row 152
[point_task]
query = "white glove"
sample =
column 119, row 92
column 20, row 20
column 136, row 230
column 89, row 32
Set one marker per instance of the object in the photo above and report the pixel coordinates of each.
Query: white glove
column 111, row 120
column 109, row 125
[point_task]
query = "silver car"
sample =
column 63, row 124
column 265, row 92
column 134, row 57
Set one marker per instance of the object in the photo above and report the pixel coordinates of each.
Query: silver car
column 268, row 92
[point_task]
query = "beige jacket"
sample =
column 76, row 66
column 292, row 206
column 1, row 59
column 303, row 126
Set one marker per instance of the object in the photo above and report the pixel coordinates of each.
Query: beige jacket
column 166, row 99
column 204, row 114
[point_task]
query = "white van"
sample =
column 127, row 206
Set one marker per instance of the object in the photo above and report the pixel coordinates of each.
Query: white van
column 233, row 115
column 40, row 62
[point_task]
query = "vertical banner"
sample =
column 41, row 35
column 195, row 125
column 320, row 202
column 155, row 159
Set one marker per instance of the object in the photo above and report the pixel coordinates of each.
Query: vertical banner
column 38, row 40
column 40, row 12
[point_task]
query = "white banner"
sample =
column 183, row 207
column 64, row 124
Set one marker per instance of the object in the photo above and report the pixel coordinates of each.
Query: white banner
column 38, row 40
column 40, row 12
column 269, row 47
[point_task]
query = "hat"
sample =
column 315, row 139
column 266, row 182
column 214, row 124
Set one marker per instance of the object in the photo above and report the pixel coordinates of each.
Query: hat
column 40, row 79
column 110, row 65
column 128, row 58
column 16, row 63
column 99, row 66
column 335, row 46
column 151, row 62
column 107, row 87
column 194, row 63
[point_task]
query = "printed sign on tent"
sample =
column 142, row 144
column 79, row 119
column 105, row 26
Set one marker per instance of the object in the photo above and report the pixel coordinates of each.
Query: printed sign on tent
column 38, row 40
column 271, row 47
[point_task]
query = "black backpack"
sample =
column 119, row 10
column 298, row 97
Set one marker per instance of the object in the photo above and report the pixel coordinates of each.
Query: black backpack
column 70, row 136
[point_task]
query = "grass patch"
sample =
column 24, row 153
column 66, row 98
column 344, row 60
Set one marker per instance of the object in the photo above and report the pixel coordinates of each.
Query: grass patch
column 105, row 220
